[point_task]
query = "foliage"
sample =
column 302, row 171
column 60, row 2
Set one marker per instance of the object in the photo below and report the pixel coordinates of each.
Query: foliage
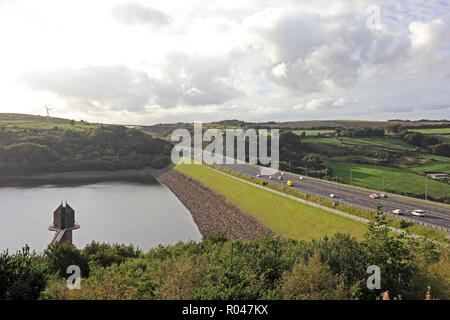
column 22, row 275
column 101, row 148
column 105, row 254
column 392, row 253
column 311, row 281
column 60, row 256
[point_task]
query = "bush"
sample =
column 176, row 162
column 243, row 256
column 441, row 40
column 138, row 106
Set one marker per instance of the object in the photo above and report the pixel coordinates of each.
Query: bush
column 310, row 281
column 22, row 275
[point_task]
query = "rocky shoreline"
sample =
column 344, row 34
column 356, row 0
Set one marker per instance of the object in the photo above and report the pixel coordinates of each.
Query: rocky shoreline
column 211, row 211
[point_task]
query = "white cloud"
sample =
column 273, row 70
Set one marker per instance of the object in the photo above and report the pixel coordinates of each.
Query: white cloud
column 282, row 60
column 133, row 13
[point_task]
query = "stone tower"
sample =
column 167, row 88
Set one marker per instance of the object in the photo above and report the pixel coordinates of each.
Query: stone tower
column 63, row 223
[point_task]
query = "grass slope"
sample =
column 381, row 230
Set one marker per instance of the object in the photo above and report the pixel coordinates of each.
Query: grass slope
column 12, row 121
column 371, row 142
column 380, row 142
column 433, row 130
column 312, row 132
column 283, row 216
column 395, row 179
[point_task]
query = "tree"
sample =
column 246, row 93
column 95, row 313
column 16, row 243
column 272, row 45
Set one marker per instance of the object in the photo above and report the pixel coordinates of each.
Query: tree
column 442, row 149
column 60, row 256
column 311, row 281
column 22, row 275
column 392, row 253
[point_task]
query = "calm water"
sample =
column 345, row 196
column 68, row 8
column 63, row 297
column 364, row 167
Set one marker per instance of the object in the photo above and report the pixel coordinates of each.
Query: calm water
column 139, row 214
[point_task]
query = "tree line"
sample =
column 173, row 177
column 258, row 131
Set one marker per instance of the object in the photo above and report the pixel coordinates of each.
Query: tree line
column 103, row 148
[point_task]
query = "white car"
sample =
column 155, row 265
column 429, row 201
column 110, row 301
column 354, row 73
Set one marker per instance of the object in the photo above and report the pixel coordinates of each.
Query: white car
column 258, row 176
column 301, row 178
column 419, row 213
column 280, row 178
column 398, row 212
column 383, row 195
column 333, row 195
column 270, row 177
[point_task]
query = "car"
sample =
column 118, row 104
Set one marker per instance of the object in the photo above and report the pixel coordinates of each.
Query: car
column 289, row 183
column 398, row 212
column 301, row 178
column 280, row 178
column 258, row 175
column 417, row 212
column 333, row 195
column 374, row 196
column 383, row 196
column 270, row 178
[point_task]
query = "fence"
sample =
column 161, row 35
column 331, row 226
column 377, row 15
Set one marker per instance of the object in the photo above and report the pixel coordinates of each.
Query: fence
column 335, row 211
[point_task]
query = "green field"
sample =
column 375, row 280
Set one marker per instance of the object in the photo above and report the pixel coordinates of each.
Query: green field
column 43, row 125
column 312, row 132
column 395, row 180
column 433, row 130
column 322, row 140
column 439, row 165
column 371, row 142
column 283, row 216
column 380, row 142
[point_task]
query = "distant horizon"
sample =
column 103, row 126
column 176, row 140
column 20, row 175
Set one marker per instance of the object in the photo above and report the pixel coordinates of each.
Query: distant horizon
column 221, row 120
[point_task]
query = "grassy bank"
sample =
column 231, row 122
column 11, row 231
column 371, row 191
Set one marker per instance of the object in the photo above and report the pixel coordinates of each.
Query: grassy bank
column 283, row 216
column 395, row 180
column 413, row 228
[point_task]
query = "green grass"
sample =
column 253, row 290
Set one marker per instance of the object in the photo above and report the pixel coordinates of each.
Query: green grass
column 432, row 130
column 395, row 180
column 284, row 216
column 380, row 142
column 436, row 157
column 413, row 228
column 312, row 132
column 43, row 125
column 439, row 167
column 321, row 140
column 371, row 142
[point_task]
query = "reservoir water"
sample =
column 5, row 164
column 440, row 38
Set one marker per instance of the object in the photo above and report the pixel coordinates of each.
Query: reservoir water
column 144, row 215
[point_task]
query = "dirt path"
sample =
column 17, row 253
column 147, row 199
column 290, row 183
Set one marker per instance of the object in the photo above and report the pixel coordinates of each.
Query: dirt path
column 211, row 211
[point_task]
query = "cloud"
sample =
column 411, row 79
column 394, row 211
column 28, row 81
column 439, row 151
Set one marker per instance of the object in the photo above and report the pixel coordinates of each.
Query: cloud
column 261, row 56
column 186, row 81
column 325, row 103
column 196, row 80
column 425, row 37
column 133, row 13
column 104, row 87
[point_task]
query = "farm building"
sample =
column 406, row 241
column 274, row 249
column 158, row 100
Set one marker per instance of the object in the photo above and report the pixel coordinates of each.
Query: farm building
column 437, row 175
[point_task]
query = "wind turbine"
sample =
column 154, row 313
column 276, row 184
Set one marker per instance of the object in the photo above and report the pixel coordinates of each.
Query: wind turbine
column 48, row 112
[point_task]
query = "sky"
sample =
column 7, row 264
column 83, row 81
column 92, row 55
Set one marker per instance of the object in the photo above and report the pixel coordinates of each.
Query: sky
column 159, row 61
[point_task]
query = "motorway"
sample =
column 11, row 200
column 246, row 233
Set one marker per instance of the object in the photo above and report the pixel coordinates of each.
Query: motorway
column 434, row 214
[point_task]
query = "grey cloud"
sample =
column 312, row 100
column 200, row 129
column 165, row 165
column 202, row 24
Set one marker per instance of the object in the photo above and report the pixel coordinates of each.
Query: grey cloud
column 191, row 81
column 133, row 13
column 318, row 52
column 112, row 87
column 195, row 80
